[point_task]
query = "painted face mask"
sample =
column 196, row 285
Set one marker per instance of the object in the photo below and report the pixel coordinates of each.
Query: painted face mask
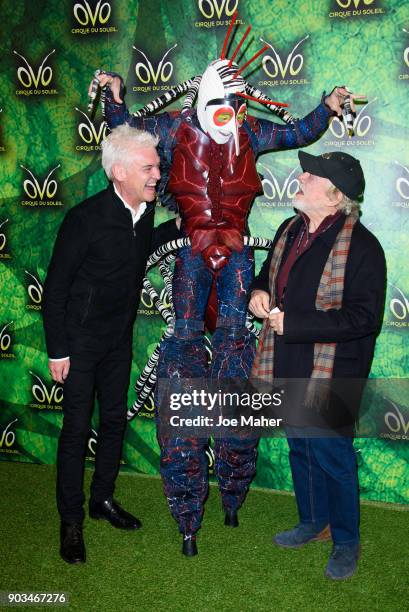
column 224, row 118
column 220, row 110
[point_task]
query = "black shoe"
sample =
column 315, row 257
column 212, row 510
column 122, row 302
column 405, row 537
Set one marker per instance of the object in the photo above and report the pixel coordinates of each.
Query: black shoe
column 231, row 518
column 189, row 547
column 72, row 548
column 112, row 512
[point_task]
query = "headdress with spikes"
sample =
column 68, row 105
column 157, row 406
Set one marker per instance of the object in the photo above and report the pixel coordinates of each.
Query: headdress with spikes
column 230, row 76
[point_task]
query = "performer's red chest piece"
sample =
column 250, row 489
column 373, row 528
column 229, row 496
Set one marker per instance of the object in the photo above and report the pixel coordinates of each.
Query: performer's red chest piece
column 214, row 189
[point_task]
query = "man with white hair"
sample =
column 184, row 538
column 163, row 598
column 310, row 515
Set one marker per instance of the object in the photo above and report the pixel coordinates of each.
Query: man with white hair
column 321, row 293
column 91, row 297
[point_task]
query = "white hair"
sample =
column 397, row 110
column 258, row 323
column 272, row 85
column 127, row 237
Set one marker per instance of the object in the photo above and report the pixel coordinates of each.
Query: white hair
column 117, row 146
column 346, row 205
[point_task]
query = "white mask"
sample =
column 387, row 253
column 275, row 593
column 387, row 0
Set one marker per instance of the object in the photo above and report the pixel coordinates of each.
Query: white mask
column 219, row 112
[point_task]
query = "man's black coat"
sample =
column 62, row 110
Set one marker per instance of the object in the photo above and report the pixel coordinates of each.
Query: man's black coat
column 353, row 327
column 97, row 267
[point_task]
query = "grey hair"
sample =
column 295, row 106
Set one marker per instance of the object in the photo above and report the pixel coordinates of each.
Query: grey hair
column 346, row 205
column 117, row 146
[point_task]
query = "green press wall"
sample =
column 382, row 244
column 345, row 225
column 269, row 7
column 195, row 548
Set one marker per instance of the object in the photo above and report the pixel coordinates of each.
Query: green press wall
column 49, row 161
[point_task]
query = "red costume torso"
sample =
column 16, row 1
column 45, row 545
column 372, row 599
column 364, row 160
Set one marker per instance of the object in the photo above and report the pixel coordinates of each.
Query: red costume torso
column 214, row 189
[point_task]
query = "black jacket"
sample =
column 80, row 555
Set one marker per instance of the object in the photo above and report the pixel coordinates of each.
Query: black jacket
column 353, row 327
column 97, row 267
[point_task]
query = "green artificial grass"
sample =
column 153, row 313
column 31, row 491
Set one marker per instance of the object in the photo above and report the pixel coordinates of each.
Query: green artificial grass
column 236, row 569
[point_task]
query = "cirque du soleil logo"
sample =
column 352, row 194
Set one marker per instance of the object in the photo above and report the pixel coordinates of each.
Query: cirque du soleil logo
column 90, row 133
column 401, row 186
column 92, row 20
column 398, row 308
column 152, row 74
column 6, row 341
column 45, row 396
column 35, row 81
column 404, row 76
column 281, row 69
column 216, row 9
column 362, row 129
column 356, row 8
column 34, row 291
column 4, row 254
column 278, row 192
column 8, row 436
column 40, row 192
column 396, row 422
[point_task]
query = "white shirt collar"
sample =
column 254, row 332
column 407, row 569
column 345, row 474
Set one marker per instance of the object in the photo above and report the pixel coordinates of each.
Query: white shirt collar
column 136, row 215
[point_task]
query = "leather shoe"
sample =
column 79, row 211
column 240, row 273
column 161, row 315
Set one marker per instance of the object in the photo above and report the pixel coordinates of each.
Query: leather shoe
column 231, row 518
column 189, row 547
column 72, row 548
column 111, row 511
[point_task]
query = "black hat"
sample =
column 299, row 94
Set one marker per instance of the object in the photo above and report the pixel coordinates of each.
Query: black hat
column 343, row 170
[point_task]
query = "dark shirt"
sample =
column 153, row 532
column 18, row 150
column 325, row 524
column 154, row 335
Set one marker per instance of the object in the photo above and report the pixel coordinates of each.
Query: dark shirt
column 302, row 242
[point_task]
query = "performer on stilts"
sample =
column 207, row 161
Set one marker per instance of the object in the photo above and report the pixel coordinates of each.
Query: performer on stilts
column 209, row 163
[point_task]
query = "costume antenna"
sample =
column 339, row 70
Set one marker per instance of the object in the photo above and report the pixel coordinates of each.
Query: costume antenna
column 246, row 33
column 250, row 61
column 260, row 100
column 226, row 40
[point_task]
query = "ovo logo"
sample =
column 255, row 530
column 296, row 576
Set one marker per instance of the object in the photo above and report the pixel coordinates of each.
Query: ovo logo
column 85, row 15
column 146, row 72
column 5, row 338
column 361, row 126
column 395, row 421
column 3, row 238
column 36, row 191
column 406, row 52
column 43, row 395
column 210, row 457
column 8, row 437
column 402, row 183
column 87, row 131
column 346, row 4
column 28, row 77
column 92, row 442
column 148, row 302
column 149, row 404
column 399, row 306
column 34, row 289
column 274, row 190
column 215, row 8
column 274, row 66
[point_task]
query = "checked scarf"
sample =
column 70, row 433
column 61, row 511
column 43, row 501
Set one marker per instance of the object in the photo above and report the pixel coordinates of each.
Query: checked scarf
column 329, row 295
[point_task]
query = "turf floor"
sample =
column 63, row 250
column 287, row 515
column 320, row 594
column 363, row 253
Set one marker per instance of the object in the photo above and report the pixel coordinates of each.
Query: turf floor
column 236, row 570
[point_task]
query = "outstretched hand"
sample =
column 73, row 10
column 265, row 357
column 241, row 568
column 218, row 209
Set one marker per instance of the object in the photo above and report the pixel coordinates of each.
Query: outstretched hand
column 113, row 82
column 336, row 99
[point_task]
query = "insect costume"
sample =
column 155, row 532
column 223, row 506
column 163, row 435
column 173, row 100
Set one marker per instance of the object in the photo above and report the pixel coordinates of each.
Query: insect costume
column 209, row 164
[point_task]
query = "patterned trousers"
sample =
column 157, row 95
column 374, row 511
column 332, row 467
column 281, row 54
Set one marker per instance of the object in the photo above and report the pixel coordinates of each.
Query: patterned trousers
column 183, row 463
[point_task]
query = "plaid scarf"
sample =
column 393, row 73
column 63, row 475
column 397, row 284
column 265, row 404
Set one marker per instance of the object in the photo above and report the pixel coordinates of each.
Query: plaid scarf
column 329, row 295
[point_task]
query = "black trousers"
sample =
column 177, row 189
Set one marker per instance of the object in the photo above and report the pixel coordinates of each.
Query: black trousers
column 103, row 365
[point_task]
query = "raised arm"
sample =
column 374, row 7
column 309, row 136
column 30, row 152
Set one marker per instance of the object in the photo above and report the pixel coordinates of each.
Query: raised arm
column 273, row 136
column 116, row 112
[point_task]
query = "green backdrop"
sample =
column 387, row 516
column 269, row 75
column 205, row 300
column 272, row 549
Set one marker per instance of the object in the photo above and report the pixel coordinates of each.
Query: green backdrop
column 49, row 151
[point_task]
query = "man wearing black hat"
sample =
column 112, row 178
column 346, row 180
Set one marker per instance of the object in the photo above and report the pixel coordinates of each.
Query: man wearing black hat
column 324, row 279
